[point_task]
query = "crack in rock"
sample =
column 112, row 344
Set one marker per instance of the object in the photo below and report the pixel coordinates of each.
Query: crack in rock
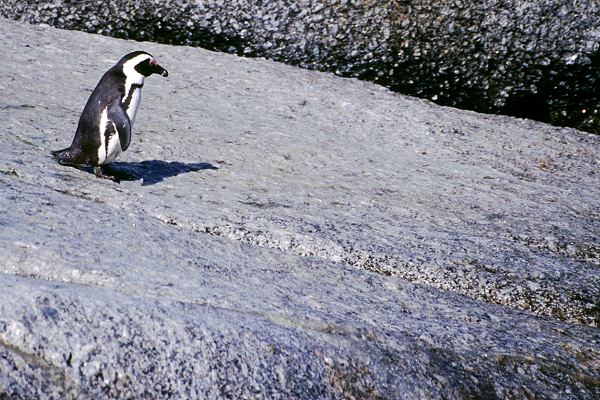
column 54, row 376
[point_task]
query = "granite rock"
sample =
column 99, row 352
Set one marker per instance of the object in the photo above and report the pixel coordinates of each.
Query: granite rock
column 538, row 59
column 285, row 233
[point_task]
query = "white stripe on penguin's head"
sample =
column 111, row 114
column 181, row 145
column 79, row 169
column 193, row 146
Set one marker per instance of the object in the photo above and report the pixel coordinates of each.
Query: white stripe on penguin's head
column 129, row 68
column 133, row 77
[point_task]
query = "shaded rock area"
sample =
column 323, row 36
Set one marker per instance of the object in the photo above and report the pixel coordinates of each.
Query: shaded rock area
column 537, row 59
column 285, row 233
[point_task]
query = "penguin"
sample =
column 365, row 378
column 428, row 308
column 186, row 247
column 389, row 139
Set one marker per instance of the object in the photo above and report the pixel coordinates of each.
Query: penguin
column 104, row 128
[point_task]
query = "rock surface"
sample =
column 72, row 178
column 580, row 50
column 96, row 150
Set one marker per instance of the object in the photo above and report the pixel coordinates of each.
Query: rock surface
column 282, row 233
column 530, row 58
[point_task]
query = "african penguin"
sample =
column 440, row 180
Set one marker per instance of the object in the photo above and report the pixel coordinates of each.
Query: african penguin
column 104, row 128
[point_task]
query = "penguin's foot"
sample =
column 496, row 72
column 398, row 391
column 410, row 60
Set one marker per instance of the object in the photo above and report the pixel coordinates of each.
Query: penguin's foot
column 100, row 174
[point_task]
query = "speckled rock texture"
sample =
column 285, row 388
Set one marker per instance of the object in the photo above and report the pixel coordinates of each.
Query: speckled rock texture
column 538, row 59
column 285, row 233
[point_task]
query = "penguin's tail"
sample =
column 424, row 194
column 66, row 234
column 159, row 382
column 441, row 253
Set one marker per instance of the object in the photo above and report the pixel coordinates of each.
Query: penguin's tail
column 65, row 156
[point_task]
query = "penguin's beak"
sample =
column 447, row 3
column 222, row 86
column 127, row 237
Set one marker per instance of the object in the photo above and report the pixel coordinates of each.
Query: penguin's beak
column 160, row 70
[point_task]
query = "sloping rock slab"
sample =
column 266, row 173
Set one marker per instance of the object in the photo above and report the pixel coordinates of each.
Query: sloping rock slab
column 281, row 233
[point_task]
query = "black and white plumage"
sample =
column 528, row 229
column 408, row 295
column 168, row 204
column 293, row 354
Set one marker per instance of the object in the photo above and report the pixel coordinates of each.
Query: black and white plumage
column 104, row 128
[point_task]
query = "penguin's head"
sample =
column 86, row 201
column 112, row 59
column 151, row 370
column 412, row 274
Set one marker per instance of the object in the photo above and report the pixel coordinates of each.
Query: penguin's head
column 142, row 63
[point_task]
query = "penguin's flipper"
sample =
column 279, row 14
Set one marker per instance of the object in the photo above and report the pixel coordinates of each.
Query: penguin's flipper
column 119, row 117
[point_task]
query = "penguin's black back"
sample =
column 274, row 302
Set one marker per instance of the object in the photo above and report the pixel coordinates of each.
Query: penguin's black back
column 84, row 148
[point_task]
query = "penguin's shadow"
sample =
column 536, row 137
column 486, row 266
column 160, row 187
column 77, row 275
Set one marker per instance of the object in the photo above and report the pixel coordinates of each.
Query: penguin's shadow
column 153, row 171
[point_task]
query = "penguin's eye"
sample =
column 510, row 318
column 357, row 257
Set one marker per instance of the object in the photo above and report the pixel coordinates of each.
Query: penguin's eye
column 152, row 61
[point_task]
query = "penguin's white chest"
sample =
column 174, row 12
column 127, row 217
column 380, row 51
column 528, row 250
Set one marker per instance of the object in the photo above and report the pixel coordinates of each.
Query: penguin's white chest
column 133, row 93
column 134, row 104
column 110, row 145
